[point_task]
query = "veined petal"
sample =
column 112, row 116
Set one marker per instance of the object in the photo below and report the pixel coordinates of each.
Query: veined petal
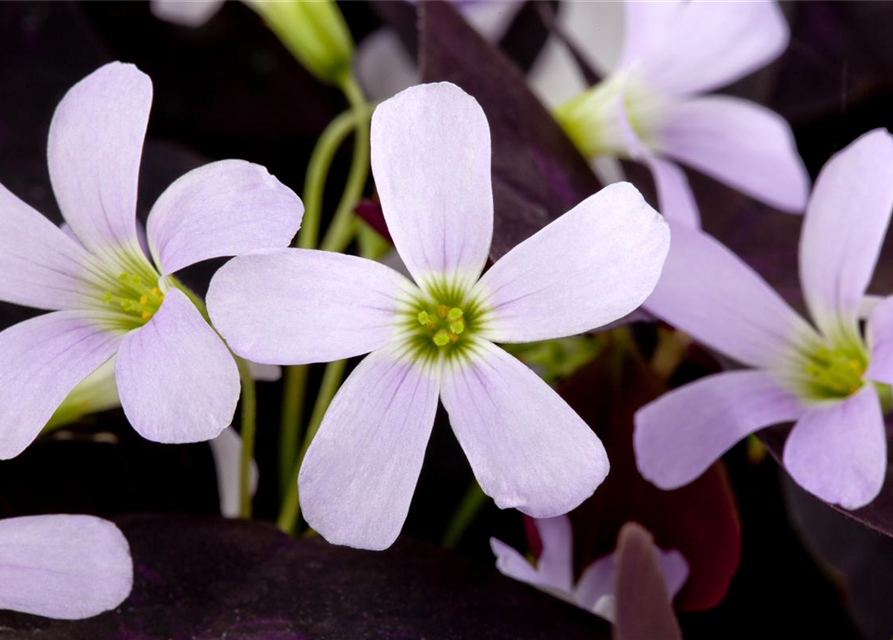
column 880, row 342
column 361, row 469
column 63, row 566
column 556, row 563
column 224, row 208
column 94, row 150
column 177, row 380
column 740, row 143
column 41, row 361
column 39, row 265
column 189, row 13
column 527, row 447
column 296, row 306
column 593, row 265
column 684, row 431
column 227, row 451
column 698, row 46
column 675, row 198
column 846, row 221
column 714, row 296
column 431, row 163
column 839, row 452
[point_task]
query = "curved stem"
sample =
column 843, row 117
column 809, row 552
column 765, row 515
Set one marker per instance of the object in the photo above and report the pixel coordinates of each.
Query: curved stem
column 290, row 421
column 472, row 503
column 331, row 380
column 249, row 423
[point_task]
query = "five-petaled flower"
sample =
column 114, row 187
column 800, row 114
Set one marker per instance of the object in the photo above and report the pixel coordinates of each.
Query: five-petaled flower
column 554, row 569
column 177, row 380
column 435, row 337
column 63, row 566
column 828, row 377
column 649, row 108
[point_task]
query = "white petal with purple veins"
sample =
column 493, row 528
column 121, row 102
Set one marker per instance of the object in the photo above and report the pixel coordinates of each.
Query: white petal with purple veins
column 177, row 380
column 528, row 449
column 39, row 265
column 591, row 266
column 63, row 566
column 711, row 294
column 740, row 143
column 679, row 435
column 225, row 208
column 844, row 228
column 838, row 452
column 41, row 361
column 94, row 150
column 431, row 163
column 295, row 306
column 361, row 469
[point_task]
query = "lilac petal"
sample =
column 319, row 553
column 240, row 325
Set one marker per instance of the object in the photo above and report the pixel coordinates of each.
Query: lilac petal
column 556, row 562
column 41, row 361
column 224, row 208
column 596, row 582
column 63, row 566
column 189, row 13
column 265, row 372
column 675, row 198
column 683, row 432
column 839, row 452
column 177, row 381
column 711, row 294
column 880, row 341
column 675, row 570
column 39, row 266
column 384, row 67
column 695, row 47
column 591, row 266
column 94, row 150
column 227, row 452
column 512, row 564
column 740, row 143
column 362, row 467
column 431, row 163
column 295, row 306
column 844, row 228
column 527, row 447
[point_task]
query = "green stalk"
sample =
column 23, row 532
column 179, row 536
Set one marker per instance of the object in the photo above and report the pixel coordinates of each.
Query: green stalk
column 469, row 507
column 249, row 423
column 331, row 380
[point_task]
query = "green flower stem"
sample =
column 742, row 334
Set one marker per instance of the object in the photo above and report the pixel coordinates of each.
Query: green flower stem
column 249, row 423
column 343, row 226
column 331, row 380
column 290, row 422
column 470, row 506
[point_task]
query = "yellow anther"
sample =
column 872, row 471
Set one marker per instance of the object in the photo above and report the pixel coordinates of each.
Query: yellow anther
column 454, row 314
column 144, row 299
column 442, row 310
column 424, row 318
column 453, row 337
column 145, row 315
column 156, row 291
column 457, row 326
column 441, row 338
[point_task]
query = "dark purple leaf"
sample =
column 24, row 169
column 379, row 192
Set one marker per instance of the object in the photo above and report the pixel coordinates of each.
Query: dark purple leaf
column 537, row 172
column 205, row 579
column 643, row 605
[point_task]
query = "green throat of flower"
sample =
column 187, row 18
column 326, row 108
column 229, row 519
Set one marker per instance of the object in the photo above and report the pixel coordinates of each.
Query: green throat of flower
column 834, row 373
column 134, row 298
column 443, row 323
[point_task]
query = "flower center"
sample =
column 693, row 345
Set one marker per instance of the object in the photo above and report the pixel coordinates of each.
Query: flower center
column 444, row 324
column 834, row 373
column 135, row 297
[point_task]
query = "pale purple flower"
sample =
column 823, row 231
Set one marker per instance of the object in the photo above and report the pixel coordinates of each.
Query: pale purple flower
column 63, row 566
column 826, row 376
column 189, row 13
column 176, row 379
column 435, row 337
column 651, row 108
column 554, row 570
column 227, row 452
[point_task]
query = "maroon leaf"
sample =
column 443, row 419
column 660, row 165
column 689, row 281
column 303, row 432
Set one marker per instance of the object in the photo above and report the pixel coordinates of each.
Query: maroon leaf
column 643, row 604
column 700, row 519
